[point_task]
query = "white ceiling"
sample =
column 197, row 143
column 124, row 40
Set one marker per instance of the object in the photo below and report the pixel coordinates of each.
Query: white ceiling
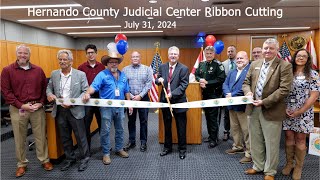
column 295, row 13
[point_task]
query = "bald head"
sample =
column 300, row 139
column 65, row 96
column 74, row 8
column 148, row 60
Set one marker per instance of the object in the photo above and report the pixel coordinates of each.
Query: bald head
column 135, row 58
column 257, row 53
column 242, row 59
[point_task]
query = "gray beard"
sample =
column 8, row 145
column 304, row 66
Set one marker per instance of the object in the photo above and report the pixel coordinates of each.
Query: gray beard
column 113, row 70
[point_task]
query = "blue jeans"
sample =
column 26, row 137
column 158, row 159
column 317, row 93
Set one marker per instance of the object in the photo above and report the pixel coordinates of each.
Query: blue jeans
column 107, row 115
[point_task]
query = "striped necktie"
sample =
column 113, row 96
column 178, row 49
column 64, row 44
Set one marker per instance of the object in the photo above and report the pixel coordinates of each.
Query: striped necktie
column 232, row 65
column 262, row 78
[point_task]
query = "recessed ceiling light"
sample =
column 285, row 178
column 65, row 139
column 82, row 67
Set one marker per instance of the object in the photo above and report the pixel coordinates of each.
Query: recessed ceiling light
column 69, row 19
column 204, row 0
column 152, row 1
column 84, row 27
column 116, row 32
column 40, row 6
column 272, row 28
column 150, row 17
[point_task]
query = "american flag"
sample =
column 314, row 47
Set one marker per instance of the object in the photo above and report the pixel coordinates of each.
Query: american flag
column 284, row 52
column 156, row 62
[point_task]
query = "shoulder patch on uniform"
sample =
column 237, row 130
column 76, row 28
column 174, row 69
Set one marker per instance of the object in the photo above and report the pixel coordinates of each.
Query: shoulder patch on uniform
column 221, row 67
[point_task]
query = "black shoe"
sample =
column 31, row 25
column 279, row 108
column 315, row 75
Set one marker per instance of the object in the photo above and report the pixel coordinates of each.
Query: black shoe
column 165, row 152
column 182, row 154
column 67, row 165
column 212, row 144
column 226, row 135
column 129, row 146
column 143, row 147
column 206, row 139
column 84, row 164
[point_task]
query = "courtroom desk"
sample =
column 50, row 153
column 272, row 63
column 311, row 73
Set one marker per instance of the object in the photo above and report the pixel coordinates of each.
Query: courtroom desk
column 55, row 148
column 194, row 120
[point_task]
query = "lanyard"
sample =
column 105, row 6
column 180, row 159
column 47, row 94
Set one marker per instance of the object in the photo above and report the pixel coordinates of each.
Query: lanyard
column 62, row 87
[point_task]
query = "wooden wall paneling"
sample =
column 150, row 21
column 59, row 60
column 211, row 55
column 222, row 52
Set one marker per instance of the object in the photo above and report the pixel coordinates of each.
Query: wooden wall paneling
column 143, row 53
column 243, row 43
column 80, row 57
column 126, row 59
column 45, row 60
column 184, row 57
column 164, row 54
column 227, row 40
column 149, row 56
column 54, row 59
column 100, row 54
column 11, row 52
column 4, row 55
column 34, row 58
column 76, row 61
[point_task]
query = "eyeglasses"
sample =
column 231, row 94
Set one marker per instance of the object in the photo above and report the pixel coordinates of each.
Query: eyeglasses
column 90, row 53
column 302, row 56
column 113, row 62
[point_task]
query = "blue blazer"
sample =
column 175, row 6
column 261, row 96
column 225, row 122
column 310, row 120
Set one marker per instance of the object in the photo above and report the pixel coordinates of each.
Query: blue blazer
column 233, row 86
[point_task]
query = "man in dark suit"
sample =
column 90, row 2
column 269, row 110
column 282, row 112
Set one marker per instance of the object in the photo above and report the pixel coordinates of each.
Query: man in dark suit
column 68, row 82
column 175, row 77
column 269, row 82
column 232, row 87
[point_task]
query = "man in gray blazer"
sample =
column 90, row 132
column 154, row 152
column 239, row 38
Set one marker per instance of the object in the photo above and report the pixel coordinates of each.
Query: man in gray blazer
column 68, row 82
column 175, row 77
column 229, row 65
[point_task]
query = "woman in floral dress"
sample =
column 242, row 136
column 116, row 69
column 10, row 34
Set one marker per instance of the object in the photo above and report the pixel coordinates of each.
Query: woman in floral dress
column 299, row 121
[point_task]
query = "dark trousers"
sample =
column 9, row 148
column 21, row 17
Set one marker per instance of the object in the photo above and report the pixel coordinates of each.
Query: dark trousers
column 212, row 118
column 90, row 111
column 211, row 114
column 143, row 117
column 226, row 119
column 181, row 123
column 66, row 124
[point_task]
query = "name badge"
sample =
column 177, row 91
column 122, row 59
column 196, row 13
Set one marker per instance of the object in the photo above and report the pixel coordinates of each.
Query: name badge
column 257, row 68
column 301, row 77
column 117, row 92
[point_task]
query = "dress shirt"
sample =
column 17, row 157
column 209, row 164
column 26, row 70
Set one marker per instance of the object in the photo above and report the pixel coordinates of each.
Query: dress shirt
column 65, row 84
column 140, row 79
column 20, row 86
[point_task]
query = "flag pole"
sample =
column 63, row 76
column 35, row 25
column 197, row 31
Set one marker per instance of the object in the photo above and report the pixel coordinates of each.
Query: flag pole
column 157, row 44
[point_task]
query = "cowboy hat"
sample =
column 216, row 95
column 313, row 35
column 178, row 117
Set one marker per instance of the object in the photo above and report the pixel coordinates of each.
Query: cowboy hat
column 105, row 59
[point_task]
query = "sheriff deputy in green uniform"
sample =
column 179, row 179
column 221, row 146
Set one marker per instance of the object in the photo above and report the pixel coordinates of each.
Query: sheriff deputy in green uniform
column 211, row 76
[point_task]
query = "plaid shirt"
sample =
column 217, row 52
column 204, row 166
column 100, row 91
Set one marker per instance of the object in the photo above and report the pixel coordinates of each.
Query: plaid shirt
column 140, row 79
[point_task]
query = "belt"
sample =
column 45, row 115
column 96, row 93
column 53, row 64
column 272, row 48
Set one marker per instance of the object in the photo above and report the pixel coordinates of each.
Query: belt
column 33, row 102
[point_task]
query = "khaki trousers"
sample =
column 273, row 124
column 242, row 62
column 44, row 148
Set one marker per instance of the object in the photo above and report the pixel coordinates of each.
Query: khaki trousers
column 20, row 129
column 265, row 141
column 239, row 130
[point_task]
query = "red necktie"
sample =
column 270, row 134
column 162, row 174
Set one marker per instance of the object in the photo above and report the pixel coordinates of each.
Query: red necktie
column 169, row 79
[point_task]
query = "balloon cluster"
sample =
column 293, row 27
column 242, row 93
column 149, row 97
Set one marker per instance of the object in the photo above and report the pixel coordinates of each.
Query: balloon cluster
column 121, row 43
column 210, row 40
